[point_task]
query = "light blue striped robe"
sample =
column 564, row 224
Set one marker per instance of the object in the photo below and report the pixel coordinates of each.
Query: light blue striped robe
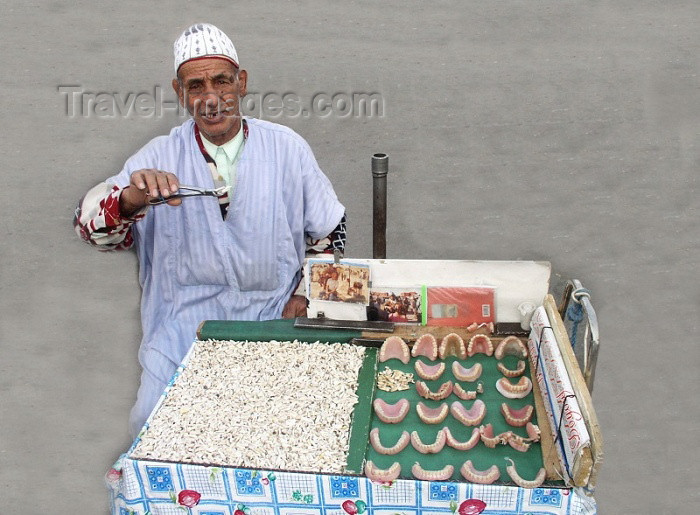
column 195, row 266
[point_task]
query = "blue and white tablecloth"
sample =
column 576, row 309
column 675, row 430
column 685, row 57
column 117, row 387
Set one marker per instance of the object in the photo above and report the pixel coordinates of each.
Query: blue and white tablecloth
column 141, row 487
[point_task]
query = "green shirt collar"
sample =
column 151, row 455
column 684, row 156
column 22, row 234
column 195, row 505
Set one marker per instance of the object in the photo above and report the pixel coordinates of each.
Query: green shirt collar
column 231, row 148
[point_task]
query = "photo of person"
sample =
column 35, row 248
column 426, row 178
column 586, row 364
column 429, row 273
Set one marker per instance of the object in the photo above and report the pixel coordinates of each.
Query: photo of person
column 400, row 305
column 339, row 283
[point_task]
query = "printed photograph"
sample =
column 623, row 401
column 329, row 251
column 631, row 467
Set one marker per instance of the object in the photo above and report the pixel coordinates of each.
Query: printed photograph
column 339, row 283
column 401, row 305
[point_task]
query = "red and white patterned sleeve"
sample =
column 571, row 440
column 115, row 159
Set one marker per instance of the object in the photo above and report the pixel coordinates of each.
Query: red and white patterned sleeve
column 98, row 219
column 334, row 241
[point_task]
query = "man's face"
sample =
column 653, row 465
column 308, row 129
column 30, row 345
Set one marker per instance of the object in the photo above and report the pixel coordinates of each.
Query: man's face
column 211, row 89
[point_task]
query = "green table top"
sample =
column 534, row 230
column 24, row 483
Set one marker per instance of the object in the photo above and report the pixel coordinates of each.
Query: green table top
column 281, row 330
column 364, row 419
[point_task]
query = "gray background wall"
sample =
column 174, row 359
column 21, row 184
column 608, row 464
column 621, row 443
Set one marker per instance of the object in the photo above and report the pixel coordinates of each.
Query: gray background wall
column 554, row 130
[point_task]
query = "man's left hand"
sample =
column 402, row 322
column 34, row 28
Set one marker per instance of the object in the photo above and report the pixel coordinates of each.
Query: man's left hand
column 296, row 307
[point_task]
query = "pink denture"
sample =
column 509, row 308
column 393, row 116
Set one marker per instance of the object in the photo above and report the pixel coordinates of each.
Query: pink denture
column 517, row 417
column 452, row 345
column 513, row 346
column 490, row 439
column 442, row 393
column 466, row 374
column 480, row 343
column 394, row 348
column 391, row 413
column 462, row 446
column 399, row 446
column 518, row 390
column 422, row 474
column 533, row 432
column 374, row 473
column 432, row 448
column 425, row 345
column 482, row 477
column 517, row 371
column 429, row 372
column 469, row 417
column 467, row 395
column 432, row 415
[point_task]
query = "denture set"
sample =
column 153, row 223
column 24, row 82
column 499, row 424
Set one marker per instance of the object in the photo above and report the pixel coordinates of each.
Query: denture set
column 425, row 350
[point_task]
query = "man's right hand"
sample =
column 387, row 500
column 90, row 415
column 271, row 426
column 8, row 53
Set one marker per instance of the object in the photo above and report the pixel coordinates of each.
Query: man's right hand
column 146, row 184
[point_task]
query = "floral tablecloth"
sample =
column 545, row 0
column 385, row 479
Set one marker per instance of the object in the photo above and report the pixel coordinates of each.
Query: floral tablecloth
column 141, row 487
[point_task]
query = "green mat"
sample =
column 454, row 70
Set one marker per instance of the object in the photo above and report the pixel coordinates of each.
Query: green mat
column 281, row 330
column 527, row 463
column 362, row 414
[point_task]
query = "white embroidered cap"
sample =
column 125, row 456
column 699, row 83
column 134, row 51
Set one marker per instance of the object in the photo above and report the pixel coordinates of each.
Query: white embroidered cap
column 203, row 40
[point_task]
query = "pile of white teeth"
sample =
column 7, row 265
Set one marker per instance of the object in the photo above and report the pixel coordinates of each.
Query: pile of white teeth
column 269, row 405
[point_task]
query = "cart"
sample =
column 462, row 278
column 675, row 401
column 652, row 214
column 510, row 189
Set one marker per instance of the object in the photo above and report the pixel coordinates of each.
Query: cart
column 570, row 448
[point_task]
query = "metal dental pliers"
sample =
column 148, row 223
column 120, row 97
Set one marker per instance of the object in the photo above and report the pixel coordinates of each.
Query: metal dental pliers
column 190, row 191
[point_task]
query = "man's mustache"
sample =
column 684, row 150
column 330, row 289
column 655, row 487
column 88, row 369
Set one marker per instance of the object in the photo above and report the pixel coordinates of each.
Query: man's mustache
column 208, row 108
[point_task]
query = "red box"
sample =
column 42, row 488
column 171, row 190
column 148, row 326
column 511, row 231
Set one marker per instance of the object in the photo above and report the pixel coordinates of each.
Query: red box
column 460, row 306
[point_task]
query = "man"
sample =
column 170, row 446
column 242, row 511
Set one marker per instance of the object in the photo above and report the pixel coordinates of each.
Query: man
column 238, row 258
